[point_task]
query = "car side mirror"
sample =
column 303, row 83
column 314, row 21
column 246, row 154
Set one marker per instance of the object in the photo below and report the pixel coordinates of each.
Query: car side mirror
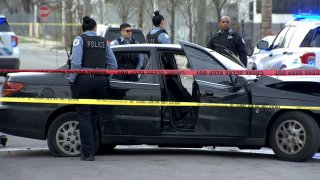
column 262, row 44
column 240, row 82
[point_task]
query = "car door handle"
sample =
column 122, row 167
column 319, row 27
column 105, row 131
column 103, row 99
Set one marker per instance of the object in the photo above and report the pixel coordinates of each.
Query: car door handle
column 270, row 55
column 285, row 52
column 209, row 93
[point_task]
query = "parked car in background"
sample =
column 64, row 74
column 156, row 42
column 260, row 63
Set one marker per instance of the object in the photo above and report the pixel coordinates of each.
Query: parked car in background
column 258, row 54
column 111, row 33
column 294, row 135
column 297, row 43
column 9, row 51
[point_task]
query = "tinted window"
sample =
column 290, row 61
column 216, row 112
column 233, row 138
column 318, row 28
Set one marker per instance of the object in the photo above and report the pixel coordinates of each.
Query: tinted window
column 4, row 26
column 138, row 35
column 200, row 60
column 312, row 39
column 112, row 34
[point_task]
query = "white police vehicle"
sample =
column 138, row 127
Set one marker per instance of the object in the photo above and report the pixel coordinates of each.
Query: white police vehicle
column 9, row 51
column 258, row 54
column 297, row 45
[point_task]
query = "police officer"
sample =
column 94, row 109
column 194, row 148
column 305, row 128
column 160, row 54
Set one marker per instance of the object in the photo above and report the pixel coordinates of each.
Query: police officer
column 158, row 35
column 127, row 61
column 89, row 52
column 228, row 38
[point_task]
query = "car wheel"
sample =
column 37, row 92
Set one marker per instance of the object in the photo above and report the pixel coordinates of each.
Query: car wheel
column 64, row 136
column 295, row 136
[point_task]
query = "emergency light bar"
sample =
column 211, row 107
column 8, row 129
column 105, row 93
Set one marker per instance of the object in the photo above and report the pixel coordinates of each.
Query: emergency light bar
column 306, row 16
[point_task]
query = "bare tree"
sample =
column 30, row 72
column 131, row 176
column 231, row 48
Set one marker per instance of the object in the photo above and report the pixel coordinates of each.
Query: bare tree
column 87, row 8
column 266, row 17
column 188, row 7
column 141, row 11
column 201, row 22
column 218, row 4
column 68, row 17
column 101, row 12
column 15, row 6
column 171, row 9
column 124, row 8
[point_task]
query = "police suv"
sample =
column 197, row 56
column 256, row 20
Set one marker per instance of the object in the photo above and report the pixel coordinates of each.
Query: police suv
column 9, row 51
column 297, row 45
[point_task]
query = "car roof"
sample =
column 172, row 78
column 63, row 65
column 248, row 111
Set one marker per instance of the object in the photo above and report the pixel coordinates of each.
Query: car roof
column 144, row 46
column 307, row 23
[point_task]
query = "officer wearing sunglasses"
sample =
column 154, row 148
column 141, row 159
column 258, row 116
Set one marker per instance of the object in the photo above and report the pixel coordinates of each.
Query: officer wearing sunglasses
column 127, row 61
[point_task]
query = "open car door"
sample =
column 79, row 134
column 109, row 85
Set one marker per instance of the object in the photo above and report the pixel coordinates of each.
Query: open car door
column 218, row 121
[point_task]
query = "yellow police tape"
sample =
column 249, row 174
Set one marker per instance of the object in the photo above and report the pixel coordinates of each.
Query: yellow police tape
column 144, row 103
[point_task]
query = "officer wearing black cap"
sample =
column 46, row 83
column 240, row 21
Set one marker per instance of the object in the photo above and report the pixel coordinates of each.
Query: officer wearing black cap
column 228, row 38
column 158, row 35
column 89, row 51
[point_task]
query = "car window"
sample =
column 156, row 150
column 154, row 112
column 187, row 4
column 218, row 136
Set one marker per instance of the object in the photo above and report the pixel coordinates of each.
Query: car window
column 130, row 60
column 316, row 40
column 111, row 35
column 4, row 26
column 201, row 60
column 182, row 64
column 177, row 60
column 227, row 53
column 138, row 35
column 277, row 42
column 312, row 39
column 287, row 39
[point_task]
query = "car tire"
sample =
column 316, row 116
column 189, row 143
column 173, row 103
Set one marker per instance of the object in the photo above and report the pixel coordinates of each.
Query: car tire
column 295, row 136
column 64, row 136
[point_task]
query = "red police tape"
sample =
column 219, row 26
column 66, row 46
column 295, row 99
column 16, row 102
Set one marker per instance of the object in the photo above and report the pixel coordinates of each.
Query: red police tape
column 175, row 72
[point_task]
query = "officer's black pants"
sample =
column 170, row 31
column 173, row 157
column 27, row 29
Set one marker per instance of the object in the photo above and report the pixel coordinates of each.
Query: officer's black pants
column 89, row 87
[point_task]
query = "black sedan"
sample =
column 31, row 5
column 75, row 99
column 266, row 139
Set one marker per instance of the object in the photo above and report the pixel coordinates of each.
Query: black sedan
column 294, row 135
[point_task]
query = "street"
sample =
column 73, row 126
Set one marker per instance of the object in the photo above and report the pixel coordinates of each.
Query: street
column 30, row 159
column 26, row 159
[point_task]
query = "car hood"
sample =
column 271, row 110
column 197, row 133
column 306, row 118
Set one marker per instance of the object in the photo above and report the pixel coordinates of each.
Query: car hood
column 287, row 87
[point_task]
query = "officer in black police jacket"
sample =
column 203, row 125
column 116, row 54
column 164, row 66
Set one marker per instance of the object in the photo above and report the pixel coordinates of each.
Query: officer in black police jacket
column 127, row 60
column 89, row 51
column 228, row 38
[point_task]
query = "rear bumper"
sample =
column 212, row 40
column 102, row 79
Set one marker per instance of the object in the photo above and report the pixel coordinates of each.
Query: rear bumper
column 24, row 121
column 9, row 63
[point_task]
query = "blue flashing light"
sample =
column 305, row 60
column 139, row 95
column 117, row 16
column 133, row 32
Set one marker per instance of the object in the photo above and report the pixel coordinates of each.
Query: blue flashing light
column 306, row 16
column 2, row 20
